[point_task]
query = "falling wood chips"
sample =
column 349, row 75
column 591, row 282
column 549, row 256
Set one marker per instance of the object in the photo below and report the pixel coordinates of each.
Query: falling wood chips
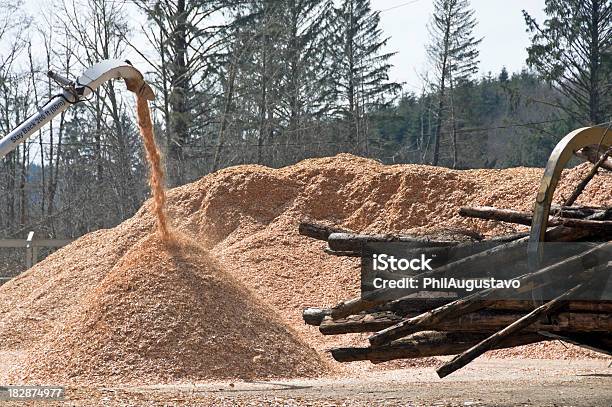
column 247, row 218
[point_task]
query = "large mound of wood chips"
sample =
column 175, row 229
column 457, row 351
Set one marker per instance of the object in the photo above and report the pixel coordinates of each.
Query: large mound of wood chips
column 118, row 290
column 167, row 314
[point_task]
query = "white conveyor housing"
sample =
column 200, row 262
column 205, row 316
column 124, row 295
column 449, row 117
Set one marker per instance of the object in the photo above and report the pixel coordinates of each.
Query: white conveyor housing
column 74, row 92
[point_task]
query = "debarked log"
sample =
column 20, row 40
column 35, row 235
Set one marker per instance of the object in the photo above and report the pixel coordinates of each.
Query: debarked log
column 425, row 344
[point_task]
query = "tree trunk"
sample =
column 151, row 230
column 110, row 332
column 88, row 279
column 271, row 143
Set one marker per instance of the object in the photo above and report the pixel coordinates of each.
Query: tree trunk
column 178, row 98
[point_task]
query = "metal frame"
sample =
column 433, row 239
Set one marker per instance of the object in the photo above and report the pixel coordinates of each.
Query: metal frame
column 559, row 158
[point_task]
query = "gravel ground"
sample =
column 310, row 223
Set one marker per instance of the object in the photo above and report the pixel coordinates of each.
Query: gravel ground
column 486, row 382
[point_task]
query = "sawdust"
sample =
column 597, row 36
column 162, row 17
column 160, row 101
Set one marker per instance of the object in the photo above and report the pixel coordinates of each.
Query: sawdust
column 247, row 218
column 546, row 350
column 165, row 314
column 156, row 173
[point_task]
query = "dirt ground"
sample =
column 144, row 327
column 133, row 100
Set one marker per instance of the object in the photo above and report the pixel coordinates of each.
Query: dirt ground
column 486, row 382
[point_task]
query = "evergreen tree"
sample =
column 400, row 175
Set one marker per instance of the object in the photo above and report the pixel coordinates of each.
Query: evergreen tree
column 453, row 52
column 305, row 90
column 360, row 67
column 503, row 75
column 572, row 50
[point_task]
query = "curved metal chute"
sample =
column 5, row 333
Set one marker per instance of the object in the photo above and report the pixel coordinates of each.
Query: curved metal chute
column 75, row 91
column 109, row 69
column 559, row 158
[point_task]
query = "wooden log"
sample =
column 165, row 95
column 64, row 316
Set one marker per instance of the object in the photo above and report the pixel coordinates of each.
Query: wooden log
column 579, row 212
column 462, row 250
column 563, row 269
column 491, row 213
column 359, row 323
column 407, row 306
column 319, row 231
column 518, row 325
column 593, row 154
column 352, row 242
column 489, row 260
column 582, row 185
column 314, row 316
column 562, row 321
column 447, row 254
column 484, row 321
column 525, row 218
column 425, row 344
column 414, row 305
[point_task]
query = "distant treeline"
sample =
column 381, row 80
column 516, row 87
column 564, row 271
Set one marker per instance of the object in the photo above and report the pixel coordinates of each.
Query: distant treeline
column 502, row 121
column 273, row 82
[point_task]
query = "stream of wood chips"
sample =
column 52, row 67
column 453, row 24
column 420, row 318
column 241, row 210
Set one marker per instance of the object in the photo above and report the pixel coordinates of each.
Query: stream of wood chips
column 156, row 176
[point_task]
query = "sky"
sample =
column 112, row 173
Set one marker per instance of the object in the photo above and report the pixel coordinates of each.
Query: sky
column 500, row 24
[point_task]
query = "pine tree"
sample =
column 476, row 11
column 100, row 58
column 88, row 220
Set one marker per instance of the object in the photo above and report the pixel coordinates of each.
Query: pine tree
column 573, row 50
column 453, row 52
column 503, row 75
column 305, row 92
column 360, row 67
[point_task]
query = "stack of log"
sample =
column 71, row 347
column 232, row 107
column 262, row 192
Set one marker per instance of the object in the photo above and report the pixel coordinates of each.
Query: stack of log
column 411, row 326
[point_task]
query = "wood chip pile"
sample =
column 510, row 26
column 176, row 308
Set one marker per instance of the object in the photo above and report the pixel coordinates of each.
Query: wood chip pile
column 167, row 314
column 246, row 218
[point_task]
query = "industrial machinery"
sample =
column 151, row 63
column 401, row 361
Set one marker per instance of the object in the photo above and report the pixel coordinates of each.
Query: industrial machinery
column 75, row 92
